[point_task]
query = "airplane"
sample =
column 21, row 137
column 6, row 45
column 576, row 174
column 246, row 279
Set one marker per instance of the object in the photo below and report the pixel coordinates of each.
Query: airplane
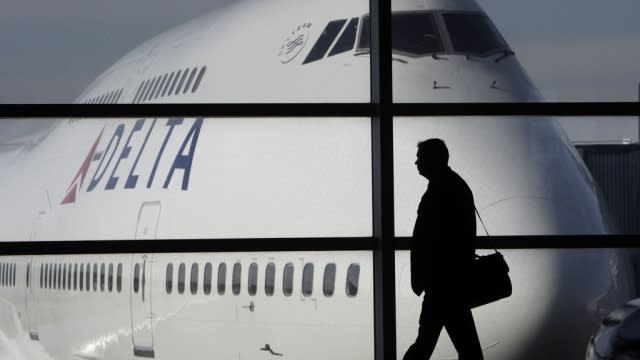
column 176, row 178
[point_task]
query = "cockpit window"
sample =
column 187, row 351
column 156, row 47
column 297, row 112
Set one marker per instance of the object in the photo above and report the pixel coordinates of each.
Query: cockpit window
column 414, row 33
column 324, row 41
column 347, row 39
column 473, row 34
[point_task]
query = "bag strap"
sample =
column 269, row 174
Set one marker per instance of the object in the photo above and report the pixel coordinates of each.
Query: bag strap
column 485, row 228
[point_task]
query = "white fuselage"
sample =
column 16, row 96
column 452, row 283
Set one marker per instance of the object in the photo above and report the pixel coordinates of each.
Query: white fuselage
column 263, row 178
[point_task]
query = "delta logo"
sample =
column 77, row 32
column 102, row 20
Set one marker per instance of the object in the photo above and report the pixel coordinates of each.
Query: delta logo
column 151, row 149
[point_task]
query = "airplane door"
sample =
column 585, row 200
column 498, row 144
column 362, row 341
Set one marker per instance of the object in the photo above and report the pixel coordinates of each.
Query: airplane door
column 141, row 314
column 142, row 321
column 30, row 301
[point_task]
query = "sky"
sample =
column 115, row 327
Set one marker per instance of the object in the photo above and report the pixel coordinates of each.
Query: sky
column 574, row 50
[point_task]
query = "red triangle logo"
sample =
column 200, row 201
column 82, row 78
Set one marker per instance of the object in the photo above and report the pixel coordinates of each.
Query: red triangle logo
column 80, row 175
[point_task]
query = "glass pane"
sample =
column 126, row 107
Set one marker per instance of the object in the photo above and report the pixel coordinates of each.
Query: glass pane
column 170, row 160
column 287, row 280
column 307, row 279
column 169, row 278
column 269, row 279
column 253, row 279
column 552, row 286
column 353, row 279
column 181, row 278
column 473, row 34
column 206, row 287
column 102, row 276
column 236, row 278
column 75, row 276
column 136, row 278
column 525, row 174
column 329, row 279
column 194, row 279
column 222, row 278
column 119, row 278
column 81, row 277
column 88, row 278
column 110, row 282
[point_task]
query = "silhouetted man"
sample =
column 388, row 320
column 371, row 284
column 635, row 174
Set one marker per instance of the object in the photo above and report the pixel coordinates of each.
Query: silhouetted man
column 442, row 253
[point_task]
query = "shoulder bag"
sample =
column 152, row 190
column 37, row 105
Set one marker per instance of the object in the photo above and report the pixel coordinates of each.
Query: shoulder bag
column 489, row 280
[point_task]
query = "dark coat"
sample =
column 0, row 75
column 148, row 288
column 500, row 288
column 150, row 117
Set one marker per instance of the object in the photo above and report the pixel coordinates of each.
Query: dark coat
column 443, row 243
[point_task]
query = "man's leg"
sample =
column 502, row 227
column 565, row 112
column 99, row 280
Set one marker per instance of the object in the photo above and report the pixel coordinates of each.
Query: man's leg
column 462, row 331
column 431, row 322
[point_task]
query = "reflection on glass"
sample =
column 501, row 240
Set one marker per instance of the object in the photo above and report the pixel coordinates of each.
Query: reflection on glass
column 526, row 176
column 200, row 172
column 553, row 290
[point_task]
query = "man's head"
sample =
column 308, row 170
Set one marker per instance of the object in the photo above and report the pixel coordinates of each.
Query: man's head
column 432, row 158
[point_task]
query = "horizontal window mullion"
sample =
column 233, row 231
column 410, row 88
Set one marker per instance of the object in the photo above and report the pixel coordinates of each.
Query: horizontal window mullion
column 317, row 110
column 15, row 111
column 518, row 109
column 545, row 242
column 184, row 246
column 302, row 244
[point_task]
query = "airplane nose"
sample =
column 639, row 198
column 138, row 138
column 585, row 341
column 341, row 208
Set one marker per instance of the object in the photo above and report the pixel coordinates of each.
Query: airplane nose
column 533, row 215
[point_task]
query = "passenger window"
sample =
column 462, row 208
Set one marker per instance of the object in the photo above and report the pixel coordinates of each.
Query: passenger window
column 206, row 286
column 324, row 41
column 110, row 279
column 194, row 278
column 235, row 278
column 307, row 279
column 169, row 278
column 140, row 92
column 81, row 280
column 110, row 97
column 55, row 276
column 329, row 282
column 75, row 276
column 199, row 79
column 353, row 276
column 88, row 277
column 60, row 278
column 64, row 277
column 188, row 84
column 51, row 277
column 269, row 279
column 119, row 278
column 102, row 276
column 69, row 276
column 181, row 276
column 152, row 88
column 118, row 94
column 95, row 277
column 173, row 84
column 136, row 278
column 166, row 85
column 184, row 76
column 222, row 278
column 164, row 78
column 347, row 39
column 253, row 279
column 287, row 279
column 145, row 91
